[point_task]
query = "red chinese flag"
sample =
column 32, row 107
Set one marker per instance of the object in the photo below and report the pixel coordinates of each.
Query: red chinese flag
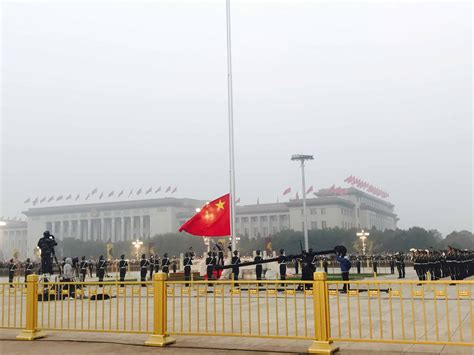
column 212, row 221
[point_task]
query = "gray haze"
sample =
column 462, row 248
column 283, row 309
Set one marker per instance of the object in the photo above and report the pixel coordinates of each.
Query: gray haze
column 120, row 95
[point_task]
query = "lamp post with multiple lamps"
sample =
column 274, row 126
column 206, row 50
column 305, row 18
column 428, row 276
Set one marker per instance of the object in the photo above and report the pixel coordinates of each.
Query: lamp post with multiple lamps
column 302, row 158
column 137, row 244
column 363, row 236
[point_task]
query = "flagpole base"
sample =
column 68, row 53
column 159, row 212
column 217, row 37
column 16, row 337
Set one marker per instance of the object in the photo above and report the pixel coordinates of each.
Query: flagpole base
column 160, row 340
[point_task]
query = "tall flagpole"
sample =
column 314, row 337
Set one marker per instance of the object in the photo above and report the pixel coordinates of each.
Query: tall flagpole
column 230, row 109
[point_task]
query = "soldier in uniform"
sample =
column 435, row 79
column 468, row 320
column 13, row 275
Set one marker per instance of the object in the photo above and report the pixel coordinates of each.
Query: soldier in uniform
column 157, row 263
column 400, row 263
column 144, row 263
column 209, row 266
column 282, row 264
column 11, row 271
column 101, row 266
column 325, row 265
column 375, row 263
column 306, row 268
column 314, row 261
column 235, row 261
column 165, row 264
column 258, row 267
column 358, row 264
column 391, row 262
column 83, row 269
column 188, row 262
column 174, row 264
column 123, row 265
column 151, row 265
column 28, row 268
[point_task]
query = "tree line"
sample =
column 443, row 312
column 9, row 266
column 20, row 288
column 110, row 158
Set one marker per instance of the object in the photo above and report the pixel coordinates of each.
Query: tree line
column 390, row 241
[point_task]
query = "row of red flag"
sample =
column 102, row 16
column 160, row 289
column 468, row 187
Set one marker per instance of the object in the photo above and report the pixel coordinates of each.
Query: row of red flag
column 364, row 185
column 101, row 195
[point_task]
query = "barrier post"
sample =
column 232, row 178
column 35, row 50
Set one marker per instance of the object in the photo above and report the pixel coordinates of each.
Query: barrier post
column 31, row 331
column 159, row 336
column 322, row 344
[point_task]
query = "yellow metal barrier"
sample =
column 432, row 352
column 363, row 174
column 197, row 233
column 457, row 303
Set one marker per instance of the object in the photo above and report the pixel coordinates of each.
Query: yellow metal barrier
column 392, row 311
column 403, row 311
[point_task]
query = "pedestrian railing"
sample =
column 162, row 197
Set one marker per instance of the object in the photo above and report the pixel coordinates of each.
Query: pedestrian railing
column 438, row 312
column 396, row 311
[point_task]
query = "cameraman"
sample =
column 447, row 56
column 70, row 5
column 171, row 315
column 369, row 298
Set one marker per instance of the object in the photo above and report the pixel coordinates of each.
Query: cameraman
column 46, row 245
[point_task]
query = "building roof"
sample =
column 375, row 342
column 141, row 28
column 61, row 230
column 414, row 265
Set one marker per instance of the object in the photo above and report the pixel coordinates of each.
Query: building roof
column 322, row 201
column 12, row 224
column 357, row 192
column 118, row 205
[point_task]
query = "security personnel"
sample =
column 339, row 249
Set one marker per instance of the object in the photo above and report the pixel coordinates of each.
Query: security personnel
column 157, row 263
column 235, row 261
column 83, row 268
column 174, row 264
column 188, row 262
column 123, row 265
column 209, row 266
column 258, row 268
column 375, row 264
column 152, row 265
column 282, row 264
column 358, row 265
column 28, row 268
column 144, row 263
column 165, row 264
column 11, row 271
column 101, row 265
column 46, row 244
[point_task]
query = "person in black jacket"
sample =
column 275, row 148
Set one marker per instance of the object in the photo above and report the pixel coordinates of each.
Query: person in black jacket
column 209, row 267
column 123, row 265
column 151, row 265
column 144, row 263
column 258, row 267
column 46, row 244
column 188, row 262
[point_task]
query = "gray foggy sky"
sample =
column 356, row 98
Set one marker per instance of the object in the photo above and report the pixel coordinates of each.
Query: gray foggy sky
column 120, row 95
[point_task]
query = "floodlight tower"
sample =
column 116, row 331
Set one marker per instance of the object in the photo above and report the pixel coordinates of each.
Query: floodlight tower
column 302, row 158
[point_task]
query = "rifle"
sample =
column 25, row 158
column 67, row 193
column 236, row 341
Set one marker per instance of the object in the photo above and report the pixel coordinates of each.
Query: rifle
column 289, row 257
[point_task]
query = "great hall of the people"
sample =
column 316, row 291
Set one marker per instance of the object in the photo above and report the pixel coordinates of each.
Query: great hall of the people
column 142, row 219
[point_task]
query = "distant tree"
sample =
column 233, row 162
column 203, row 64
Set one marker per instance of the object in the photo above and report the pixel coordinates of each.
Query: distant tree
column 461, row 240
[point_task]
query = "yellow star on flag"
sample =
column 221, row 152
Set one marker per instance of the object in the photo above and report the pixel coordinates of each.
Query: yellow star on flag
column 220, row 205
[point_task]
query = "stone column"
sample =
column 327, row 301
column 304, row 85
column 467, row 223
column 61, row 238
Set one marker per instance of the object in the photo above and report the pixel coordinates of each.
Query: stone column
column 132, row 227
column 141, row 232
column 102, row 230
column 112, row 230
column 89, row 229
column 69, row 234
column 122, row 219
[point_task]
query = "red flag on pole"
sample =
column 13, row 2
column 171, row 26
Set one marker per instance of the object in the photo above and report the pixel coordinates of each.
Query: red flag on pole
column 287, row 191
column 309, row 190
column 213, row 220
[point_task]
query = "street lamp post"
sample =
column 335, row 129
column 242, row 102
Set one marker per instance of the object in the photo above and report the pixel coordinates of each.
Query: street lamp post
column 137, row 244
column 302, row 158
column 363, row 236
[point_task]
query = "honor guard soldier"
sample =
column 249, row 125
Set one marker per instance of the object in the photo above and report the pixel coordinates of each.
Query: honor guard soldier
column 157, row 263
column 28, row 268
column 165, row 264
column 188, row 262
column 220, row 257
column 375, row 264
column 258, row 267
column 151, row 265
column 282, row 264
column 123, row 265
column 174, row 264
column 11, row 271
column 209, row 266
column 391, row 262
column 235, row 261
column 101, row 265
column 314, row 261
column 358, row 265
column 400, row 263
column 144, row 263
column 83, row 269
